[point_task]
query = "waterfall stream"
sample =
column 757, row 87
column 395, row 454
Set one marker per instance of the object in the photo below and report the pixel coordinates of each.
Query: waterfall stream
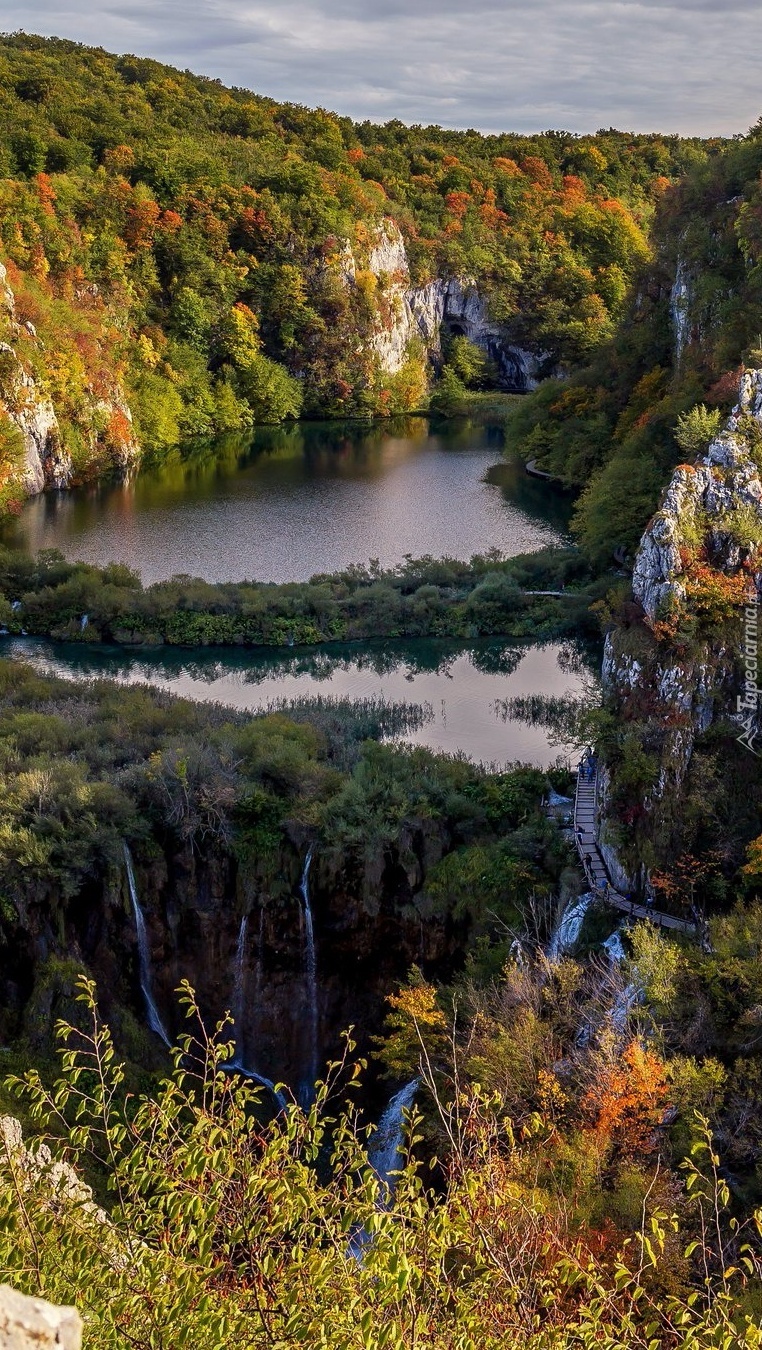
column 238, row 1062
column 614, row 947
column 385, row 1152
column 385, row 1156
column 144, row 954
column 567, row 930
column 239, row 991
column 310, row 970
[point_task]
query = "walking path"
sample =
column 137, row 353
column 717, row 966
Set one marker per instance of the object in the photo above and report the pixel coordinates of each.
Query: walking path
column 586, row 837
column 531, row 468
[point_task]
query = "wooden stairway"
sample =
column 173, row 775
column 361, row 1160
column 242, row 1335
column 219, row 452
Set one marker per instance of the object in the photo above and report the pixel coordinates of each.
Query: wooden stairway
column 586, row 838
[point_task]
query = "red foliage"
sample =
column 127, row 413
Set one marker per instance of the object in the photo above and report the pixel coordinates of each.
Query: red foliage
column 142, row 220
column 627, row 1101
column 491, row 214
column 575, row 191
column 45, row 192
column 457, row 203
column 354, row 156
column 725, row 390
column 170, row 222
column 118, row 431
column 253, row 225
column 537, row 171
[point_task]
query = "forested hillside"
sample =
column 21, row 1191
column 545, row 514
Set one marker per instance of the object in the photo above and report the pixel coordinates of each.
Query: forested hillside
column 693, row 317
column 184, row 259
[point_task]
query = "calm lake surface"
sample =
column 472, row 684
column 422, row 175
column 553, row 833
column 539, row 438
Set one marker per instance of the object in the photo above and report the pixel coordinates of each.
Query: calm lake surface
column 313, row 497
column 461, row 686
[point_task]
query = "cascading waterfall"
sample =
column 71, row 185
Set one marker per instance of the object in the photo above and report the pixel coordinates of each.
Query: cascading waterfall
column 239, row 991
column 632, row 994
column 567, row 930
column 385, row 1152
column 310, row 969
column 144, row 954
column 614, row 948
column 625, row 1002
column 239, row 1007
column 385, row 1156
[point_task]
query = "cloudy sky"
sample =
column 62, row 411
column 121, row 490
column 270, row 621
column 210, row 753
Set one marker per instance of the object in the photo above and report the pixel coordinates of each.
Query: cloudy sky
column 691, row 66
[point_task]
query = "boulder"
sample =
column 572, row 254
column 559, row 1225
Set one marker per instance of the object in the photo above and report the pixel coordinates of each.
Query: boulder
column 33, row 1324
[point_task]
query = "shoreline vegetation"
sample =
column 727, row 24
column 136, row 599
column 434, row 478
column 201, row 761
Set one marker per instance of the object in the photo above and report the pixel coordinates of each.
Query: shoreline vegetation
column 540, row 595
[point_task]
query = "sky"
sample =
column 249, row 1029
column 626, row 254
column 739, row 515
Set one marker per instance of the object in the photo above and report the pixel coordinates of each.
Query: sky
column 686, row 66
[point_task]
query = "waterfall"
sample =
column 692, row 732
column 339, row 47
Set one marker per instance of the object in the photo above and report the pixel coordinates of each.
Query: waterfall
column 385, row 1156
column 144, row 954
column 258, row 1078
column 84, row 621
column 567, row 930
column 239, row 982
column 614, row 948
column 630, row 997
column 310, row 969
column 385, row 1150
column 239, row 1007
column 516, row 951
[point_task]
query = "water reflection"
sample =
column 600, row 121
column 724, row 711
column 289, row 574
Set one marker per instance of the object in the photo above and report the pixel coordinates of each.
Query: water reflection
column 291, row 501
column 465, row 685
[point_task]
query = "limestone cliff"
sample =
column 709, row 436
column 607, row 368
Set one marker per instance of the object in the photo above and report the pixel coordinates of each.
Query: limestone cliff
column 691, row 661
column 405, row 312
column 718, row 498
column 34, row 1324
column 30, row 407
column 372, row 921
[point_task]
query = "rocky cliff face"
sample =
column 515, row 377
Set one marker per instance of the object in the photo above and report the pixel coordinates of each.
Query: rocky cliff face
column 46, row 462
column 718, row 497
column 371, row 923
column 33, row 1324
column 407, row 312
column 680, row 303
column 698, row 558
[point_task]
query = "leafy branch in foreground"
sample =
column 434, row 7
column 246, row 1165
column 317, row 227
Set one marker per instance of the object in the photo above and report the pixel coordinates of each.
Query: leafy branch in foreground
column 226, row 1231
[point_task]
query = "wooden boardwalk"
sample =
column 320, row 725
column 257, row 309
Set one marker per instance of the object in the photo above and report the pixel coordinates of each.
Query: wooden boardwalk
column 586, row 838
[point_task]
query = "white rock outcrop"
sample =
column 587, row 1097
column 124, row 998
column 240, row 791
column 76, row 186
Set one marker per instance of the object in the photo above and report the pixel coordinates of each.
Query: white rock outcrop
column 29, row 409
column 717, row 500
column 47, row 464
column 406, row 312
column 723, row 486
column 680, row 302
column 33, row 1324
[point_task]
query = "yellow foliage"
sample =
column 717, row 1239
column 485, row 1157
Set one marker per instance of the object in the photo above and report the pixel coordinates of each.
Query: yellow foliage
column 415, row 1022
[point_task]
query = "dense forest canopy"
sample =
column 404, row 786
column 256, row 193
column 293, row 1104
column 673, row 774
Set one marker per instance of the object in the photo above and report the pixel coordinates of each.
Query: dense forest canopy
column 185, row 245
column 692, row 319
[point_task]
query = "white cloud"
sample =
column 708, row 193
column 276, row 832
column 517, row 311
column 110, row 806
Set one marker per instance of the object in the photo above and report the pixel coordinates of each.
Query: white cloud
column 667, row 65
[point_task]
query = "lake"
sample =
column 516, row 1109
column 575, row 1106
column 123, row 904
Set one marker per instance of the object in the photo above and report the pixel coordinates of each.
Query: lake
column 291, row 501
column 461, row 686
